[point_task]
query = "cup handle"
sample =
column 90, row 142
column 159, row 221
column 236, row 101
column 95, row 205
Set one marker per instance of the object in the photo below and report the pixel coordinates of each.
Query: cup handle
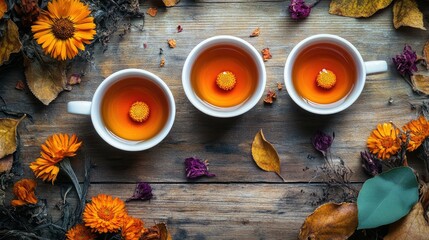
column 79, row 107
column 375, row 67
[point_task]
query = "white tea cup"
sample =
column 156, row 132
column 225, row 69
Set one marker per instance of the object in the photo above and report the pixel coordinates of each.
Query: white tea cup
column 132, row 77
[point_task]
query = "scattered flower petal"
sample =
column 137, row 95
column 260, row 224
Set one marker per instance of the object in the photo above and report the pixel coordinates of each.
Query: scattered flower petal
column 152, row 11
column 179, row 28
column 143, row 192
column 20, row 85
column 270, row 97
column 406, row 61
column 298, row 9
column 322, row 142
column 162, row 62
column 171, row 43
column 24, row 192
column 196, row 168
column 279, row 86
column 74, row 79
column 371, row 165
column 255, row 32
column 266, row 54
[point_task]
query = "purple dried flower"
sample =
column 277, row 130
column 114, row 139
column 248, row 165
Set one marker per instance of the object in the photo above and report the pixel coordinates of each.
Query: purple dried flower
column 196, row 168
column 406, row 62
column 371, row 165
column 322, row 142
column 298, row 9
column 143, row 192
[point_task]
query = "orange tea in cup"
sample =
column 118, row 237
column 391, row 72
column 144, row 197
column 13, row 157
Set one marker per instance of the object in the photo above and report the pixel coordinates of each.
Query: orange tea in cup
column 324, row 73
column 224, row 76
column 134, row 109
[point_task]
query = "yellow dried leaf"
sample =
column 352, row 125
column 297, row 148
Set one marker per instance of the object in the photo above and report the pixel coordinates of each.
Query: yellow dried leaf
column 407, row 13
column 357, row 8
column 330, row 221
column 411, row 227
column 265, row 155
column 6, row 163
column 8, row 140
column 3, row 8
column 46, row 77
column 10, row 42
column 170, row 3
column 420, row 83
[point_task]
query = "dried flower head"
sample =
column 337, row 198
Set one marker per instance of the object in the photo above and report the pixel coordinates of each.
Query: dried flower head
column 298, row 9
column 64, row 28
column 24, row 192
column 322, row 142
column 196, row 168
column 406, row 61
column 418, row 130
column 371, row 165
column 132, row 228
column 104, row 214
column 384, row 141
column 266, row 54
column 55, row 149
column 80, row 232
column 27, row 10
column 143, row 191
column 3, row 8
column 270, row 97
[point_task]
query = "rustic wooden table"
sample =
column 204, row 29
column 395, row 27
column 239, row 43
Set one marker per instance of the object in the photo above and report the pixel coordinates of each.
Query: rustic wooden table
column 242, row 201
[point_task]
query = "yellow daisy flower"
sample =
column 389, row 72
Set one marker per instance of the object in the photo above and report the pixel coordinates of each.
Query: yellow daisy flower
column 24, row 192
column 64, row 28
column 104, row 214
column 80, row 232
column 132, row 228
column 418, row 130
column 384, row 141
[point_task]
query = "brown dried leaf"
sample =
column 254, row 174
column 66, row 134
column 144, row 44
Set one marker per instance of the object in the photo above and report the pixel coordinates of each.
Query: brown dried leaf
column 420, row 83
column 46, row 77
column 357, row 8
column 426, row 52
column 170, row 3
column 330, row 221
column 10, row 42
column 266, row 54
column 255, row 33
column 171, row 43
column 8, row 140
column 411, row 227
column 152, row 11
column 424, row 195
column 265, row 155
column 407, row 13
column 6, row 163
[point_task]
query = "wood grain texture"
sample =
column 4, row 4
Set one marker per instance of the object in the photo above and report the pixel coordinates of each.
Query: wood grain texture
column 242, row 201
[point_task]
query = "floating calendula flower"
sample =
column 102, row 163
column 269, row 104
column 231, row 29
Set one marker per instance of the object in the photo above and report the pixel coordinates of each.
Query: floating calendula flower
column 196, row 168
column 406, row 61
column 132, row 228
column 80, row 232
column 384, row 141
column 143, row 191
column 418, row 130
column 322, row 142
column 299, row 10
column 104, row 214
column 24, row 192
column 371, row 165
column 64, row 28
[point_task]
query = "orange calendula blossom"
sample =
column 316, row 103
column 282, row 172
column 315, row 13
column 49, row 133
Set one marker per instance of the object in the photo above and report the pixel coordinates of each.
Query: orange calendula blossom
column 3, row 8
column 384, row 141
column 80, row 232
column 132, row 228
column 64, row 28
column 418, row 130
column 104, row 214
column 55, row 149
column 24, row 192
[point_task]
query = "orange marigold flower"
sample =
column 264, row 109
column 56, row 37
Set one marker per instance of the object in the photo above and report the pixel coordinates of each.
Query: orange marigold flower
column 132, row 228
column 80, row 232
column 24, row 192
column 55, row 149
column 3, row 8
column 418, row 130
column 384, row 141
column 64, row 28
column 104, row 213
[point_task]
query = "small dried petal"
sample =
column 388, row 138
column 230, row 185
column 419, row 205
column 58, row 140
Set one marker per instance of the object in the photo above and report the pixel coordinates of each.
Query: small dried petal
column 270, row 97
column 152, row 11
column 266, row 54
column 162, row 62
column 406, row 61
column 74, row 79
column 298, row 9
column 179, row 28
column 171, row 43
column 196, row 168
column 143, row 192
column 20, row 85
column 370, row 164
column 279, row 86
column 322, row 142
column 255, row 33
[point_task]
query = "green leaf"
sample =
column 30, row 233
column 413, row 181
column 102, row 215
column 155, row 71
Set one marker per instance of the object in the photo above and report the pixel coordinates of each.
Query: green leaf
column 387, row 197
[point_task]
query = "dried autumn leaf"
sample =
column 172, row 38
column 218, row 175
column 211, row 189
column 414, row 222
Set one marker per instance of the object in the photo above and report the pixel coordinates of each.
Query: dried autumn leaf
column 46, row 77
column 357, row 8
column 3, row 8
column 170, row 3
column 265, row 155
column 420, row 83
column 6, row 163
column 152, row 11
column 407, row 13
column 426, row 52
column 10, row 42
column 255, row 33
column 8, row 140
column 330, row 221
column 411, row 227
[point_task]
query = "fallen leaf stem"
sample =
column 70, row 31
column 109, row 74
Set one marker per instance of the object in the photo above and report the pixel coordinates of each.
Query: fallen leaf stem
column 66, row 167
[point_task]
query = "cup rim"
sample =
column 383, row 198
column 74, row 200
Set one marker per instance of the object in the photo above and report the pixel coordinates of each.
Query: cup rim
column 112, row 139
column 217, row 111
column 355, row 92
